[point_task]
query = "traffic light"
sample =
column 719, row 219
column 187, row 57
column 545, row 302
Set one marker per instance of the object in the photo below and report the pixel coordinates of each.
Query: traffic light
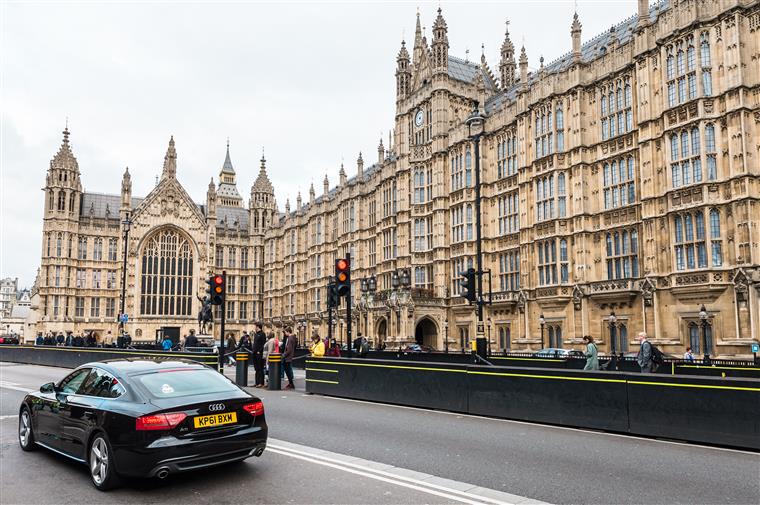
column 217, row 289
column 343, row 277
column 467, row 284
column 333, row 298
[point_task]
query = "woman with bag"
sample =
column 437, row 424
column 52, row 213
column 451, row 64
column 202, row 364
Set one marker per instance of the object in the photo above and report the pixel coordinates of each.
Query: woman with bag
column 592, row 362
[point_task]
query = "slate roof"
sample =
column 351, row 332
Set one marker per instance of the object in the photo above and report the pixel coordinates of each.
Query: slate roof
column 466, row 71
column 99, row 202
column 232, row 215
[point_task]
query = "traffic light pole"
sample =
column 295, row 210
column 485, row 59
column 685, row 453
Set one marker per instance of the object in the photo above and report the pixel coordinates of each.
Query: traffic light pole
column 480, row 340
column 348, row 311
column 222, row 308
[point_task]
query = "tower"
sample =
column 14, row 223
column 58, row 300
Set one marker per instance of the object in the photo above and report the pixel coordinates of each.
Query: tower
column 575, row 33
column 227, row 190
column 403, row 73
column 440, row 45
column 63, row 185
column 507, row 63
column 262, row 206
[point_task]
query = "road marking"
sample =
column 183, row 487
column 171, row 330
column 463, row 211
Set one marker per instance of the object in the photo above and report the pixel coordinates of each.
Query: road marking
column 630, row 437
column 10, row 416
column 14, row 386
column 385, row 473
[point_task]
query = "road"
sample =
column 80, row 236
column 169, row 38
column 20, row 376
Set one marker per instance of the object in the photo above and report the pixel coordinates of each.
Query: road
column 329, row 450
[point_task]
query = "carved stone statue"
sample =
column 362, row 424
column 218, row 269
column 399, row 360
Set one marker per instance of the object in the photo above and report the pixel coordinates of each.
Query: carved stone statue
column 205, row 315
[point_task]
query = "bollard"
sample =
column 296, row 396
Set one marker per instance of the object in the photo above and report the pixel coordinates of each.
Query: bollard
column 241, row 369
column 275, row 362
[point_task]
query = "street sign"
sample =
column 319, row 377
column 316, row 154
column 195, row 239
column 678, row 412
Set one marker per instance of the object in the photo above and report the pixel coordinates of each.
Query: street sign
column 755, row 347
column 123, row 318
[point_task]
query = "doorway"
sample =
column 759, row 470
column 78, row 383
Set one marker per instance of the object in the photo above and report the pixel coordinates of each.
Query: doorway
column 426, row 333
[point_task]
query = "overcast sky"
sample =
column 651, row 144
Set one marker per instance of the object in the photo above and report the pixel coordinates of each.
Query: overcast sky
column 312, row 82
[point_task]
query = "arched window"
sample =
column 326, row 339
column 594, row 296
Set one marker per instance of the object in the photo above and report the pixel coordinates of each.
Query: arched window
column 627, row 95
column 166, row 287
column 670, row 66
column 680, row 61
column 563, row 262
column 704, row 50
column 561, row 195
column 469, row 222
column 61, row 200
column 468, row 169
column 604, row 104
column 690, row 57
column 49, row 239
column 623, row 337
column 715, row 238
column 710, row 138
column 51, row 200
column 694, row 339
column 58, row 245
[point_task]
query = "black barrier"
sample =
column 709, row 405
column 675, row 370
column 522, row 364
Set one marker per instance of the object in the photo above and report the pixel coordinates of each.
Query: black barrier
column 698, row 409
column 241, row 369
column 72, row 357
column 275, row 362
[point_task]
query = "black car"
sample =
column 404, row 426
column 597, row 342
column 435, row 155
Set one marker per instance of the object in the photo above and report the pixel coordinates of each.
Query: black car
column 144, row 418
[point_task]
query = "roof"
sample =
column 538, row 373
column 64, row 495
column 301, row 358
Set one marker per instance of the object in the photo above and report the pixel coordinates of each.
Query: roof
column 236, row 217
column 96, row 204
column 467, row 71
column 143, row 364
column 20, row 311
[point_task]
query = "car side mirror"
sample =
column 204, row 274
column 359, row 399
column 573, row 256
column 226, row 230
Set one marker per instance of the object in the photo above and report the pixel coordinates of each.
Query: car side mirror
column 48, row 388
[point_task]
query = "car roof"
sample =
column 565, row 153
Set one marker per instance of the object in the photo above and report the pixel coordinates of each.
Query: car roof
column 128, row 366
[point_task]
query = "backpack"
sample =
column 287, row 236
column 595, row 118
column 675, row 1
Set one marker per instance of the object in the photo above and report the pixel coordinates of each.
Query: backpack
column 657, row 357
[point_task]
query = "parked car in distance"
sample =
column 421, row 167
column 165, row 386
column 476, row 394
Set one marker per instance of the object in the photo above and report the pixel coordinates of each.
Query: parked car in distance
column 9, row 340
column 143, row 418
column 555, row 352
column 418, row 348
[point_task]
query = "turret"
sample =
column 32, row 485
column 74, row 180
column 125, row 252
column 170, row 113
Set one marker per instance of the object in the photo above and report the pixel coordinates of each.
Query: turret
column 298, row 202
column 211, row 201
column 403, row 73
column 359, row 166
column 325, row 186
column 342, row 175
column 262, row 206
column 227, row 190
column 440, row 45
column 126, row 189
column 380, row 152
column 312, row 195
column 575, row 34
column 63, row 186
column 523, row 68
column 507, row 63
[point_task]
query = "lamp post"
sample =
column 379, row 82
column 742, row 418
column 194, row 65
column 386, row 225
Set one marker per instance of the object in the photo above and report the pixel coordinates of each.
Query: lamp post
column 542, row 322
column 127, row 224
column 475, row 128
column 703, row 316
column 446, row 335
column 612, row 319
column 490, row 323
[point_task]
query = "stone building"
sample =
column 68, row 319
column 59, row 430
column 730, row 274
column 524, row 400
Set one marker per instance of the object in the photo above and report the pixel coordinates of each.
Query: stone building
column 173, row 245
column 8, row 293
column 620, row 193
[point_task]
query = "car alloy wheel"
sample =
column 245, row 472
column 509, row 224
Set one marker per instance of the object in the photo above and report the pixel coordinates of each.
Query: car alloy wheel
column 25, row 435
column 101, row 464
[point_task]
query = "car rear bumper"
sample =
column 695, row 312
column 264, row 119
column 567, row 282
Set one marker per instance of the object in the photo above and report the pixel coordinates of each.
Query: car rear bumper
column 176, row 455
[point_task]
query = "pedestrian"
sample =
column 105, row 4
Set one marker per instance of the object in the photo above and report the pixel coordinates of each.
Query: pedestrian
column 60, row 339
column 259, row 340
column 688, row 355
column 269, row 348
column 317, row 347
column 333, row 350
column 108, row 339
column 69, row 339
column 644, row 358
column 191, row 340
column 592, row 361
column 230, row 346
column 167, row 344
column 287, row 356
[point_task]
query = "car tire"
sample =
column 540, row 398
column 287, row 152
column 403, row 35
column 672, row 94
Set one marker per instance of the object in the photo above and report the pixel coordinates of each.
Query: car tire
column 100, row 461
column 25, row 431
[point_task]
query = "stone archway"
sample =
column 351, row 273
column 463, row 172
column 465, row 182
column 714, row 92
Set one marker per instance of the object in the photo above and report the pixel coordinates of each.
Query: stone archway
column 426, row 333
column 381, row 332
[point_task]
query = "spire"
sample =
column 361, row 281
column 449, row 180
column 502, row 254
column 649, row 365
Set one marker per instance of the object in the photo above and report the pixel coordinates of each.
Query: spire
column 211, row 187
column 507, row 63
column 227, row 191
column 403, row 72
column 575, row 33
column 262, row 184
column 523, row 67
column 419, row 42
column 287, row 206
column 342, row 175
column 64, row 158
column 312, row 194
column 126, row 189
column 360, row 166
column 440, row 44
column 170, row 161
column 325, row 186
column 380, row 152
column 227, row 166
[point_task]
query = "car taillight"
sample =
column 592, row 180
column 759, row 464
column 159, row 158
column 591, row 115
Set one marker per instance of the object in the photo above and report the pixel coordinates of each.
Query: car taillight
column 159, row 421
column 255, row 409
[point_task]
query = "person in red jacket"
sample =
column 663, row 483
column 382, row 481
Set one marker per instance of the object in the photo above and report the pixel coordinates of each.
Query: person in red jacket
column 288, row 354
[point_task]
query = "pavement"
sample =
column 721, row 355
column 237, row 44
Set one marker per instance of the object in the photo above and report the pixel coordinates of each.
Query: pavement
column 331, row 450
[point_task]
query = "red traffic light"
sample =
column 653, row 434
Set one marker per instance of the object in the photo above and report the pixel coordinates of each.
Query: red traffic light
column 342, row 264
column 218, row 279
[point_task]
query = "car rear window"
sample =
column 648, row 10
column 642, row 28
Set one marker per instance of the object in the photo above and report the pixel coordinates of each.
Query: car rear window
column 175, row 383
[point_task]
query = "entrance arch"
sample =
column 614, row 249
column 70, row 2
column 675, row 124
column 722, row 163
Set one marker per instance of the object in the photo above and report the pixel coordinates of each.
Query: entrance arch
column 426, row 332
column 382, row 332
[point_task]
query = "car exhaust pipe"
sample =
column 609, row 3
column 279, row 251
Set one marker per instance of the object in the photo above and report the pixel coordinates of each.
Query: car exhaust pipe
column 257, row 451
column 162, row 473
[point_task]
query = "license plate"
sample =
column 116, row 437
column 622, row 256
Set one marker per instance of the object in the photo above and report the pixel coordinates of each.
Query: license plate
column 215, row 420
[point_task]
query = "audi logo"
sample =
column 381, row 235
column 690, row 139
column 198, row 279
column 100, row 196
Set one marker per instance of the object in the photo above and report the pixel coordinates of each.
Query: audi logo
column 216, row 407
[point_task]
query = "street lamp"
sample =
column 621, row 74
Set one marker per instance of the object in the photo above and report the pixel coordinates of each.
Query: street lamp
column 446, row 334
column 475, row 128
column 126, row 224
column 489, row 335
column 703, row 316
column 612, row 319
column 542, row 322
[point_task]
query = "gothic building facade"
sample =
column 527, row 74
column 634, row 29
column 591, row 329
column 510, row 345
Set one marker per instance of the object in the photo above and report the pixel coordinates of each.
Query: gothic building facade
column 173, row 244
column 620, row 193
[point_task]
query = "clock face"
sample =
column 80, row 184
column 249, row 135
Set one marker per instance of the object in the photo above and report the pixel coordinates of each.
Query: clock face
column 419, row 118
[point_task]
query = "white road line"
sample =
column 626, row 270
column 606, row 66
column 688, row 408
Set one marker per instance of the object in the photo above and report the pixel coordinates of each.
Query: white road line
column 11, row 416
column 15, row 387
column 470, row 494
column 538, row 424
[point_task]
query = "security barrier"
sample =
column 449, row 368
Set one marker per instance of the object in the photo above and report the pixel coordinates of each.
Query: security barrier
column 713, row 410
column 72, row 357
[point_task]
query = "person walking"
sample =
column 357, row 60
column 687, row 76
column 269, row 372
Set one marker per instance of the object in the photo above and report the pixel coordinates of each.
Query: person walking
column 108, row 339
column 269, row 348
column 191, row 340
column 317, row 347
column 689, row 356
column 230, row 346
column 644, row 358
column 592, row 361
column 287, row 356
column 259, row 341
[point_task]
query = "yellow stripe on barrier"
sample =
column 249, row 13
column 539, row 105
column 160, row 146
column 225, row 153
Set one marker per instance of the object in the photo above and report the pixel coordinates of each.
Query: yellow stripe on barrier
column 749, row 369
column 322, row 381
column 559, row 377
column 704, row 386
column 374, row 365
column 320, row 370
